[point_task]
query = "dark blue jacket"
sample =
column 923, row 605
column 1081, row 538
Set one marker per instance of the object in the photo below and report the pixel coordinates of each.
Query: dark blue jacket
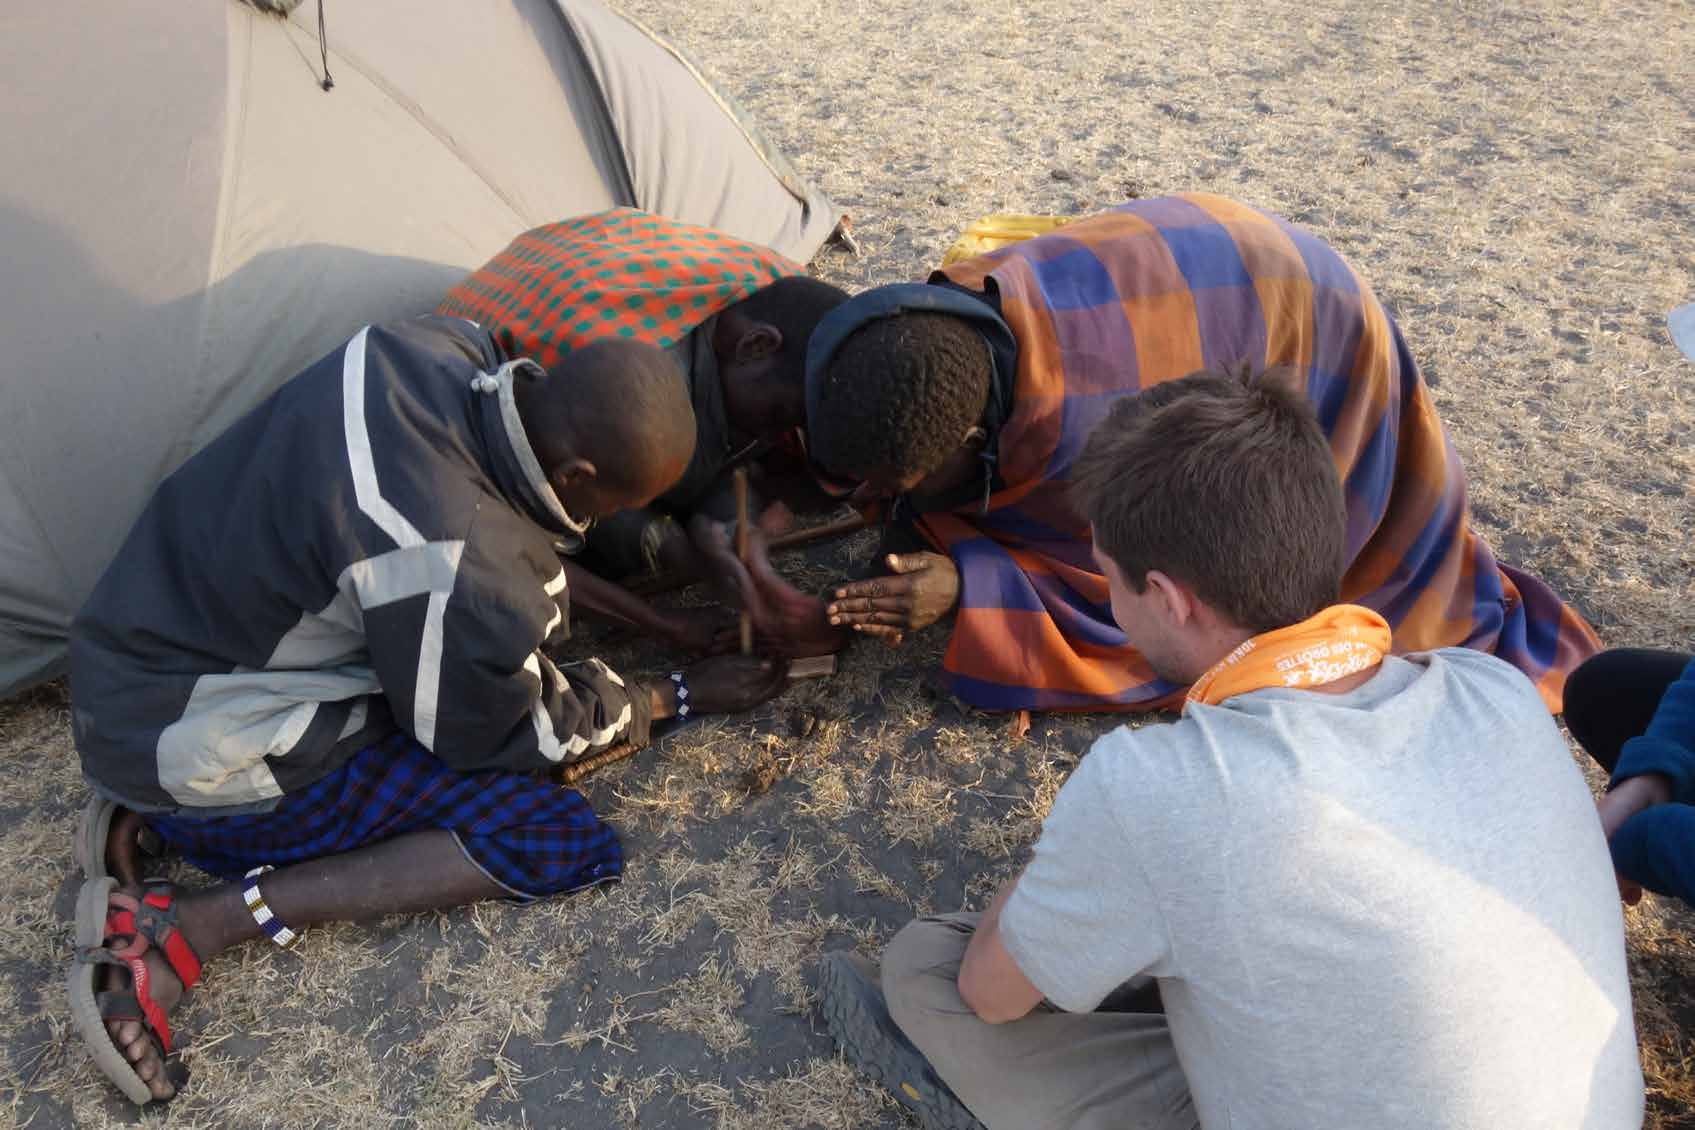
column 373, row 548
column 1656, row 847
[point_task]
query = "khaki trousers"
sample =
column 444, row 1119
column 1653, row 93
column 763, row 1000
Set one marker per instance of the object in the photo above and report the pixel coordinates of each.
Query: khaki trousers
column 1076, row 1071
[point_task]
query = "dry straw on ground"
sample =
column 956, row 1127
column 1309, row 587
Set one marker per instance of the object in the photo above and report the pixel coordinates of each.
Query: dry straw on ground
column 1518, row 186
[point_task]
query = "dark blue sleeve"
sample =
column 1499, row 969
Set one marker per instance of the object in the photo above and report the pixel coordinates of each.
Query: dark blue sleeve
column 1656, row 848
column 1668, row 745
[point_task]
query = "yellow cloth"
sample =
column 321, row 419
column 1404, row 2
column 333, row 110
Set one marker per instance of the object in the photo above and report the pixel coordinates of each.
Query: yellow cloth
column 1342, row 640
column 999, row 230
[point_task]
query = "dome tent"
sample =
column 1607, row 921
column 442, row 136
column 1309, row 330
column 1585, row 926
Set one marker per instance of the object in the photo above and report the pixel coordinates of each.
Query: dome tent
column 190, row 218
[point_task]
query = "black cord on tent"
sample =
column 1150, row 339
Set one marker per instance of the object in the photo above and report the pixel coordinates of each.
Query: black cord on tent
column 324, row 49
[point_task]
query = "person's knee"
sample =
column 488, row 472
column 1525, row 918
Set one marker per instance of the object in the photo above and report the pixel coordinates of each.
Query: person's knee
column 1586, row 691
column 1612, row 697
column 557, row 854
column 921, row 966
column 1581, row 684
column 921, row 946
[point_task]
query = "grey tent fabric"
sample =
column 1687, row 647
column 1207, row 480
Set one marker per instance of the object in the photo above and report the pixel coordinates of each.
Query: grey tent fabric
column 189, row 219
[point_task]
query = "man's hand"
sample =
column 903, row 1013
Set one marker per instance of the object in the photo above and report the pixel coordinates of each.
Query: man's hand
column 726, row 684
column 786, row 620
column 1630, row 797
column 695, row 630
column 1619, row 804
column 923, row 589
column 716, row 542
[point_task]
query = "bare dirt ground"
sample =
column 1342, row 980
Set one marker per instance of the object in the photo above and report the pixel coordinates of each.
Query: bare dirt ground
column 1519, row 187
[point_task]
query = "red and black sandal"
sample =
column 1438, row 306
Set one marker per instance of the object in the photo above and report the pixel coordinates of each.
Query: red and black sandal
column 115, row 928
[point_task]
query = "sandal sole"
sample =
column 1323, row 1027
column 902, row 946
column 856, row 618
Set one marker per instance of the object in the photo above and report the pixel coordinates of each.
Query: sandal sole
column 94, row 829
column 94, row 825
column 857, row 1023
column 85, row 1009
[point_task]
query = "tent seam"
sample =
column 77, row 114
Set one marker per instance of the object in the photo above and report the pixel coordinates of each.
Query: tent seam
column 415, row 112
column 729, row 110
column 228, row 192
column 602, row 101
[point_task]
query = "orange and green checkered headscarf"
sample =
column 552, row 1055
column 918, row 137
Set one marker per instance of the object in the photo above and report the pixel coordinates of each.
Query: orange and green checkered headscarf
column 621, row 273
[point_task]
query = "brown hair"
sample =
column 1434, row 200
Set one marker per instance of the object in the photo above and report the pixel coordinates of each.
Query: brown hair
column 1222, row 481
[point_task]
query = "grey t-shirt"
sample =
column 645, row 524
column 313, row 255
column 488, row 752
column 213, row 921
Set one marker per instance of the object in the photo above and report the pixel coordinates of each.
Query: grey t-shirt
column 1386, row 908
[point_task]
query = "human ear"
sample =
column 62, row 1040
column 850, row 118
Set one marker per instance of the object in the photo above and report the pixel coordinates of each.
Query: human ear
column 573, row 470
column 760, row 340
column 1177, row 601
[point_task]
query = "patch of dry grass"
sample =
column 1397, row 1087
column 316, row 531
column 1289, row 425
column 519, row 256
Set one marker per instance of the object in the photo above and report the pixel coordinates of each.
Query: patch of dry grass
column 706, row 1005
column 1517, row 185
column 825, row 1093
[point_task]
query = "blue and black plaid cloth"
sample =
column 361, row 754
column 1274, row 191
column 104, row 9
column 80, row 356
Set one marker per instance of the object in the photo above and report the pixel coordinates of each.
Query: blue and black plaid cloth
column 530, row 836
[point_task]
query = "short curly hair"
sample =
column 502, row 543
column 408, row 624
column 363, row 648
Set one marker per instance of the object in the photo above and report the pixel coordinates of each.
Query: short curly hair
column 899, row 395
column 794, row 305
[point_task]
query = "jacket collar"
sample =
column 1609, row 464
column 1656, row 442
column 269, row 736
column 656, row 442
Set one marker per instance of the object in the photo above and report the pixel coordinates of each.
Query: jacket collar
column 517, row 469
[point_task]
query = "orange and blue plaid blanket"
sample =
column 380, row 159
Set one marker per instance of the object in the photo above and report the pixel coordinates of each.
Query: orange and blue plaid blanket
column 621, row 273
column 1152, row 291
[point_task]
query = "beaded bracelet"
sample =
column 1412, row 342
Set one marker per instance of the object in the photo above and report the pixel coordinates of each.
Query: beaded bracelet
column 268, row 922
column 682, row 695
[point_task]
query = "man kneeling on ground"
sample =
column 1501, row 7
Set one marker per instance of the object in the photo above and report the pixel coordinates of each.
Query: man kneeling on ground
column 316, row 667
column 736, row 317
column 1371, row 890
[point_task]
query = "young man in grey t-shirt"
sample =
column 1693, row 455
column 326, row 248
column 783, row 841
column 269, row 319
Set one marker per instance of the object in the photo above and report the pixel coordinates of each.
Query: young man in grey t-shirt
column 1371, row 890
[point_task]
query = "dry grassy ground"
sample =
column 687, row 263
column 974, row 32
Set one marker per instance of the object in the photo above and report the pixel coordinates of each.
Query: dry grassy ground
column 1517, row 185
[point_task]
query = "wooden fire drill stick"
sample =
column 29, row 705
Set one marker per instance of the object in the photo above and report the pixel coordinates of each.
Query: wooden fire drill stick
column 577, row 770
column 796, row 539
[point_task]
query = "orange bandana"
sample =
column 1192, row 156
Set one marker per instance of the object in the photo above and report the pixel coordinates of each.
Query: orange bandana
column 1342, row 640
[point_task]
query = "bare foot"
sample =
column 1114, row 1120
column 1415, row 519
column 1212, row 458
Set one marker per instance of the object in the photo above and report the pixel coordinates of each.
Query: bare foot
column 131, row 1036
column 123, row 847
